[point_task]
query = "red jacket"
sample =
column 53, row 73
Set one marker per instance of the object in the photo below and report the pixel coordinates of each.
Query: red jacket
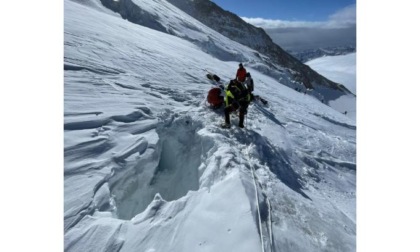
column 241, row 74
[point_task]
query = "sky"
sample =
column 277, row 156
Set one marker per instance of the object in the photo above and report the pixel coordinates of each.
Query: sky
column 131, row 132
column 301, row 25
column 287, row 10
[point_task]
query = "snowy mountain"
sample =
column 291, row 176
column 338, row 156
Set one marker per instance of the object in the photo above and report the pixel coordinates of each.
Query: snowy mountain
column 147, row 167
column 341, row 69
column 307, row 55
column 254, row 47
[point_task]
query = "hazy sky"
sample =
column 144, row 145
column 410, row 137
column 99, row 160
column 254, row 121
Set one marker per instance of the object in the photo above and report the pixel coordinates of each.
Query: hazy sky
column 292, row 10
column 300, row 24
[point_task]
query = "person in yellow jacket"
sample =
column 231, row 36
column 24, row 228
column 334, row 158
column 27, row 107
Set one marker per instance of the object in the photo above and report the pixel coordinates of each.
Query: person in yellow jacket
column 237, row 97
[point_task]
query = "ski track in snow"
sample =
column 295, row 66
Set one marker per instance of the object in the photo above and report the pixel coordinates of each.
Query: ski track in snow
column 146, row 159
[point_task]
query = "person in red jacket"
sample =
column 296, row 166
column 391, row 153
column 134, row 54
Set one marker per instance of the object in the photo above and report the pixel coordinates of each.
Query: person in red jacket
column 241, row 73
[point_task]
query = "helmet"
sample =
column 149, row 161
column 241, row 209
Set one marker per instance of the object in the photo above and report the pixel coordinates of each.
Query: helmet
column 248, row 74
column 240, row 65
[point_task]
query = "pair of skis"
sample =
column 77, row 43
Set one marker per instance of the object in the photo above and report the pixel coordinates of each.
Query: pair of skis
column 213, row 77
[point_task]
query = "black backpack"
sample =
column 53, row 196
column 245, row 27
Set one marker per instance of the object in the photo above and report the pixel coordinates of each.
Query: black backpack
column 251, row 85
column 239, row 91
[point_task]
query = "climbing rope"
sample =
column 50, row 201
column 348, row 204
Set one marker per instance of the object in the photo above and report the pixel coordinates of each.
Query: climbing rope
column 270, row 230
column 257, row 199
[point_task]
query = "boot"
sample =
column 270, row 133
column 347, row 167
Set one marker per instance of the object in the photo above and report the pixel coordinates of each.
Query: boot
column 225, row 126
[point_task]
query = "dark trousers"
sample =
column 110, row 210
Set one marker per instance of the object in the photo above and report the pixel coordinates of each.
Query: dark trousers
column 233, row 107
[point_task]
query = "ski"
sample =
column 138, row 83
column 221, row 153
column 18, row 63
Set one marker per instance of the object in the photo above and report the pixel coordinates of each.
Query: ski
column 213, row 77
column 263, row 101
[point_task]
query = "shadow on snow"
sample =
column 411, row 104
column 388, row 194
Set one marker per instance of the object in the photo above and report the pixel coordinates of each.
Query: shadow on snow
column 275, row 158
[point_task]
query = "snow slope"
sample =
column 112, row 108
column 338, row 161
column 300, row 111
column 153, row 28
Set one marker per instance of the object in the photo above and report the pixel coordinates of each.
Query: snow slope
column 148, row 169
column 341, row 69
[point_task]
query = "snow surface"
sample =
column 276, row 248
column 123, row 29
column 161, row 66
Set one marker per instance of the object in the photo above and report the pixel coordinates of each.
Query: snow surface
column 147, row 168
column 340, row 69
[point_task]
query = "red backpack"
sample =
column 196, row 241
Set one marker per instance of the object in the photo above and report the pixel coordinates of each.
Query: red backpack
column 215, row 98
